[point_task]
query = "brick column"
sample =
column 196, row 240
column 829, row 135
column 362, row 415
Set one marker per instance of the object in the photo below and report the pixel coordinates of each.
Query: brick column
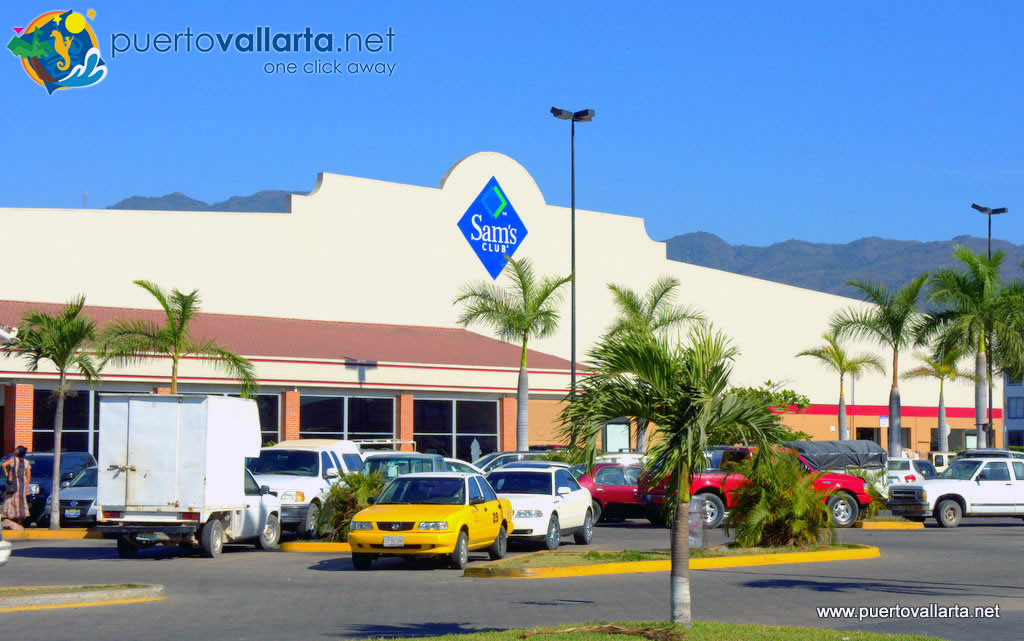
column 18, row 400
column 404, row 405
column 161, row 390
column 289, row 416
column 507, row 440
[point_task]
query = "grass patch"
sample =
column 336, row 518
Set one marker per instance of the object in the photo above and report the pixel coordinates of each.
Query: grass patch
column 701, row 631
column 64, row 589
column 730, row 550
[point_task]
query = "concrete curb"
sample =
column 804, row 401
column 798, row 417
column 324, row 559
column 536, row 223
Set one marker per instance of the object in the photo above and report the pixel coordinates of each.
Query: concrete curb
column 117, row 596
column 889, row 525
column 487, row 572
column 313, row 546
column 44, row 534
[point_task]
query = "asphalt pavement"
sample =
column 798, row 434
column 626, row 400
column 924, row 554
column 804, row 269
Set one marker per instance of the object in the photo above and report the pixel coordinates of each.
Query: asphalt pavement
column 247, row 594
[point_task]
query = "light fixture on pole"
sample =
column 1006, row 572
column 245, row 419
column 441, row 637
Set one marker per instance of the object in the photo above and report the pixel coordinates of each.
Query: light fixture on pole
column 988, row 211
column 584, row 115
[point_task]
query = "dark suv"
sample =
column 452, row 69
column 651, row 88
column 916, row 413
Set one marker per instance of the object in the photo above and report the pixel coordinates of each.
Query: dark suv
column 41, row 482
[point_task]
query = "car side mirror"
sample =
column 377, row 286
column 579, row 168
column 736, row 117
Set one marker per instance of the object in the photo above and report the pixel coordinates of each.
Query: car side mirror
column 332, row 473
column 67, row 476
column 64, row 484
column 562, row 491
column 477, row 500
column 982, row 477
column 371, row 500
column 265, row 489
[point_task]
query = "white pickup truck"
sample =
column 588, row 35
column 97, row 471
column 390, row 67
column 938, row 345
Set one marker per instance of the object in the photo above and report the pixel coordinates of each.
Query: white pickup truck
column 969, row 487
column 172, row 471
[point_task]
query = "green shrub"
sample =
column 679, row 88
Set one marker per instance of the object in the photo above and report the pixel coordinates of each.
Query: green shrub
column 1015, row 448
column 345, row 498
column 779, row 506
column 569, row 455
column 871, row 477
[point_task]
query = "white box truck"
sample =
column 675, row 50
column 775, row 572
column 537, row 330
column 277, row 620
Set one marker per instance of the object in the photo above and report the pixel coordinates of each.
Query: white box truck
column 172, row 471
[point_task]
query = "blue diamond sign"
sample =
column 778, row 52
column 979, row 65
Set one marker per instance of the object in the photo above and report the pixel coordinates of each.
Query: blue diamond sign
column 492, row 228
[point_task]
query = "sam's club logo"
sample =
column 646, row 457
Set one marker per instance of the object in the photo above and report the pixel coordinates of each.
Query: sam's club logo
column 493, row 228
column 59, row 50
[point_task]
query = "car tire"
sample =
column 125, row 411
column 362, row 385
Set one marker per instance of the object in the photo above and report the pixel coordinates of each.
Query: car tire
column 714, row 509
column 270, row 537
column 657, row 517
column 127, row 549
column 586, row 534
column 212, row 539
column 499, row 548
column 459, row 558
column 598, row 512
column 309, row 527
column 553, row 536
column 842, row 510
column 361, row 560
column 948, row 513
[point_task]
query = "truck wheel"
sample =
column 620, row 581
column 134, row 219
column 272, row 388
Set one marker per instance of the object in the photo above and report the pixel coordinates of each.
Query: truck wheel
column 213, row 538
column 459, row 558
column 948, row 513
column 270, row 537
column 127, row 549
column 598, row 512
column 500, row 545
column 657, row 517
column 843, row 510
column 714, row 509
column 361, row 561
column 310, row 526
column 585, row 535
column 554, row 534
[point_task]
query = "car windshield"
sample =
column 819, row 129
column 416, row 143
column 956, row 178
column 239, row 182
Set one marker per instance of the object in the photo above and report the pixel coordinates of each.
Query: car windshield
column 439, row 491
column 85, row 478
column 286, row 462
column 961, row 470
column 484, row 460
column 391, row 468
column 898, row 465
column 926, row 469
column 353, row 462
column 520, row 482
column 42, row 468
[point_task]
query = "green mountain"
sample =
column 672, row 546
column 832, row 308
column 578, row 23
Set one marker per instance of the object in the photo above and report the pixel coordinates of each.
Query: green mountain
column 270, row 200
column 826, row 267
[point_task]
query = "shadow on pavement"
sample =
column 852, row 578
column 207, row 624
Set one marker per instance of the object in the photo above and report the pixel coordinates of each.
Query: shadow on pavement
column 388, row 564
column 411, row 630
column 853, row 584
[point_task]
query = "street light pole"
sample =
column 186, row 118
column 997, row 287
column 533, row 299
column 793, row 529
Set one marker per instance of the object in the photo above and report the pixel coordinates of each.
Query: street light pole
column 989, row 430
column 585, row 115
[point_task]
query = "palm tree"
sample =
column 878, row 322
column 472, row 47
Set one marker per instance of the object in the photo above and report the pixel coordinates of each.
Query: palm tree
column 651, row 313
column 835, row 357
column 683, row 390
column 892, row 321
column 941, row 365
column 60, row 339
column 126, row 341
column 524, row 310
column 975, row 310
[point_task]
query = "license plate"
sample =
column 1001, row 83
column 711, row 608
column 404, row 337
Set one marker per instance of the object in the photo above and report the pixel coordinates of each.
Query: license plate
column 146, row 538
column 394, row 541
column 72, row 513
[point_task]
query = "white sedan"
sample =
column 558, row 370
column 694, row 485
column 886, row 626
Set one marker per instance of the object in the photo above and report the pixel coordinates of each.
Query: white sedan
column 547, row 503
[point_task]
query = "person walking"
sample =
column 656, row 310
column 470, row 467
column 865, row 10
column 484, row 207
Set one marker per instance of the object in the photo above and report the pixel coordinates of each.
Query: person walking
column 18, row 472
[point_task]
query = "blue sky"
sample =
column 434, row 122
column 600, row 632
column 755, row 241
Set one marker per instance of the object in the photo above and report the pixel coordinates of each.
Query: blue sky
column 759, row 122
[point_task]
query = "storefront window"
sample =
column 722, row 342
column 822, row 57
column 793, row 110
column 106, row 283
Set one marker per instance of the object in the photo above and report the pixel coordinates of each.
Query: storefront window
column 321, row 417
column 464, row 429
column 75, row 431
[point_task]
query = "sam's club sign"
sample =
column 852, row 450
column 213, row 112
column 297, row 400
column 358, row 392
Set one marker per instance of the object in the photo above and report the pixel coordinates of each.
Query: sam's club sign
column 492, row 228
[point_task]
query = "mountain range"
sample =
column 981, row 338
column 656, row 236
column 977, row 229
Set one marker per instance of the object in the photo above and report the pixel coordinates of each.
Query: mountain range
column 823, row 267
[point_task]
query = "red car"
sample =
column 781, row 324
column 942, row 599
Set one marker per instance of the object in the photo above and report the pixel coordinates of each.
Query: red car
column 845, row 496
column 614, row 491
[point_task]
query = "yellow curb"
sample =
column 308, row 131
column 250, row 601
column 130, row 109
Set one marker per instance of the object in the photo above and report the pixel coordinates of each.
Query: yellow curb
column 889, row 525
column 69, row 533
column 312, row 546
column 867, row 552
column 82, row 604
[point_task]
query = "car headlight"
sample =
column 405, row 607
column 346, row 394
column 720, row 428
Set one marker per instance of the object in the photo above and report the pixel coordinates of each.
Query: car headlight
column 293, row 496
column 434, row 525
column 33, row 489
column 529, row 514
column 362, row 525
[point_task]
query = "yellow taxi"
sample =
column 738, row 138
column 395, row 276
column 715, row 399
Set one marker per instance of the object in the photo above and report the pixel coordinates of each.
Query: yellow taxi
column 432, row 513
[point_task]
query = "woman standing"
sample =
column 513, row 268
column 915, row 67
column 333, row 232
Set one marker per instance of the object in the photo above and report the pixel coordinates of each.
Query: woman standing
column 18, row 471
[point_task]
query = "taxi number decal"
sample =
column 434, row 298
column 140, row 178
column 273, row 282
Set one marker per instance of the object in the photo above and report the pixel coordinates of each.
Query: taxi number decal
column 495, row 517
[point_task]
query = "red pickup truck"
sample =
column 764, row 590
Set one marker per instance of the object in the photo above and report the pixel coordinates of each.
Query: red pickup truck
column 845, row 495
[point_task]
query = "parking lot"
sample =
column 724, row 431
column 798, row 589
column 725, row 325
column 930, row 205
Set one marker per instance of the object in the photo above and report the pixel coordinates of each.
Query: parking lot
column 248, row 594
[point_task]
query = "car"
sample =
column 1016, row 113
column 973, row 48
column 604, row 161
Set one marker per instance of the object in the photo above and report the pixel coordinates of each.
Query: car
column 391, row 465
column 627, row 458
column 990, row 452
column 301, row 473
column 445, row 514
column 497, row 459
column 941, row 460
column 535, row 465
column 548, row 504
column 983, row 486
column 458, row 465
column 908, row 470
column 614, row 492
column 41, row 484
column 77, row 500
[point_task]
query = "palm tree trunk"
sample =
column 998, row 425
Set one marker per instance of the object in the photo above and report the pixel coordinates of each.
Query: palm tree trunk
column 680, row 574
column 641, row 435
column 844, row 432
column 174, row 375
column 522, row 411
column 58, row 425
column 980, row 397
column 943, row 443
column 895, row 424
